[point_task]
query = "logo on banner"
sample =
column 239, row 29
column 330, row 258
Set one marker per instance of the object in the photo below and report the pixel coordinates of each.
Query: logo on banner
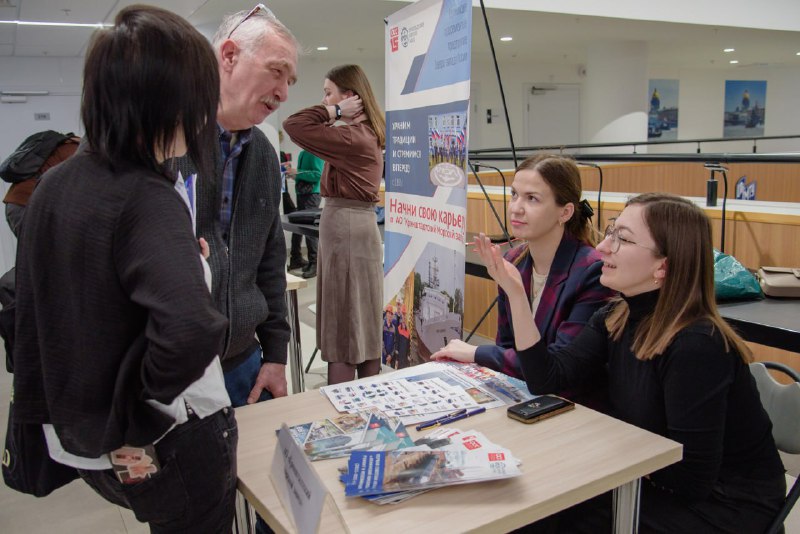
column 393, row 34
column 404, row 37
column 745, row 191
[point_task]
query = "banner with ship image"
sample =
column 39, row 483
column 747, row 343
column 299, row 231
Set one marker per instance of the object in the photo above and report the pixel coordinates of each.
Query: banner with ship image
column 428, row 56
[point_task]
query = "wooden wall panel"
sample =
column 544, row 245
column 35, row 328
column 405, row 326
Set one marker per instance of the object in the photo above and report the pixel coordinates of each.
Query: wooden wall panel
column 777, row 182
column 763, row 353
column 479, row 294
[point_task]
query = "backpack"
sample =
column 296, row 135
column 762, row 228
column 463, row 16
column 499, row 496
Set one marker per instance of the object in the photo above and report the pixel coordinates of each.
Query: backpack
column 29, row 157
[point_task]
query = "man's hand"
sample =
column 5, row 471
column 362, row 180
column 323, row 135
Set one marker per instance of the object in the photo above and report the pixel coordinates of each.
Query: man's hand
column 271, row 377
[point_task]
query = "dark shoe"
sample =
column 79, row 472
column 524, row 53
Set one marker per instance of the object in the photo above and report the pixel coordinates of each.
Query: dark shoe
column 310, row 271
column 297, row 263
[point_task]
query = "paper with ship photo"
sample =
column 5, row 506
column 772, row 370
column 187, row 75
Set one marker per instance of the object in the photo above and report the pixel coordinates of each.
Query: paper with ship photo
column 373, row 473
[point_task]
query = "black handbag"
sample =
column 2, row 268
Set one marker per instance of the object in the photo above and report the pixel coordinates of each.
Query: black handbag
column 27, row 466
column 309, row 216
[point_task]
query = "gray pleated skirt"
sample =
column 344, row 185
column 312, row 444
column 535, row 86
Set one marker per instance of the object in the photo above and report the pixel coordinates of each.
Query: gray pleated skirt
column 349, row 282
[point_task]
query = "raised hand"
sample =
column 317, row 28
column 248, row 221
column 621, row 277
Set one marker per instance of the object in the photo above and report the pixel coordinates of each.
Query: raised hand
column 501, row 270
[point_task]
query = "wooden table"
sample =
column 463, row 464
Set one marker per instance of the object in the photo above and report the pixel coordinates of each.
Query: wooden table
column 293, row 283
column 565, row 460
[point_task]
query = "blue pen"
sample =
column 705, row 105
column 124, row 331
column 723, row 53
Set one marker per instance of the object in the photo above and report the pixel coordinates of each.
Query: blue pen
column 450, row 418
column 476, row 411
column 440, row 420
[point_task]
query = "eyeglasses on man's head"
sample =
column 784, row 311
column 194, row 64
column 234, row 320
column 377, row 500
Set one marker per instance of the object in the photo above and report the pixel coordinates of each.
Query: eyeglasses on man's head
column 259, row 7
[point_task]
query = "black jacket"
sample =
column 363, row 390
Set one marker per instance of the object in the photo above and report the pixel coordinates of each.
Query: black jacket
column 112, row 308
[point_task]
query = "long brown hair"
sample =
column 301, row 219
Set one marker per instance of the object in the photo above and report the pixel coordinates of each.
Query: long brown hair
column 682, row 234
column 352, row 78
column 563, row 177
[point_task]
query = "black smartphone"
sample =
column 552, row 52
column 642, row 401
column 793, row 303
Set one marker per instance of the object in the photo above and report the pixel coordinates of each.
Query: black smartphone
column 539, row 408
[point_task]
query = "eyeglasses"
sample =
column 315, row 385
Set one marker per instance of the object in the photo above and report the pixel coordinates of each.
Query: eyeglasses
column 252, row 12
column 612, row 233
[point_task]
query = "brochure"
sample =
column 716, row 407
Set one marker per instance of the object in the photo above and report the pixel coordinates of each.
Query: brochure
column 442, row 438
column 337, row 437
column 377, row 472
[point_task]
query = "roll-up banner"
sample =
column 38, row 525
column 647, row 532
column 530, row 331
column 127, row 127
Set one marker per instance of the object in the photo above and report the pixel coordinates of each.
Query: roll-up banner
column 428, row 54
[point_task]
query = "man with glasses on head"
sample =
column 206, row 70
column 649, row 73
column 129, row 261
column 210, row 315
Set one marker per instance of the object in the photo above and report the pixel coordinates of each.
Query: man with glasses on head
column 237, row 209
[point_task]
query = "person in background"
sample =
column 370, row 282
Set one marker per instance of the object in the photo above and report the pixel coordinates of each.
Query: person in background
column 675, row 369
column 389, row 333
column 117, row 341
column 286, row 169
column 238, row 203
column 558, row 264
column 403, row 342
column 348, row 132
column 18, row 194
column 307, row 175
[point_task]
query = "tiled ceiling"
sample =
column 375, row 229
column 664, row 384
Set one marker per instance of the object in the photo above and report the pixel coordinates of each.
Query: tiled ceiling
column 353, row 29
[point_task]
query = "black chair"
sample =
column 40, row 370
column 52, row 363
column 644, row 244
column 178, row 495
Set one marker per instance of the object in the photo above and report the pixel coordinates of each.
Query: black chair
column 782, row 403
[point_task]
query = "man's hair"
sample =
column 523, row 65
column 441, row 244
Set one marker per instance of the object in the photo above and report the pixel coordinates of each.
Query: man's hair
column 352, row 78
column 250, row 33
column 149, row 75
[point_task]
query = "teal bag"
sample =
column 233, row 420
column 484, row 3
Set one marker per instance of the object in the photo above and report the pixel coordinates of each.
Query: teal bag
column 732, row 281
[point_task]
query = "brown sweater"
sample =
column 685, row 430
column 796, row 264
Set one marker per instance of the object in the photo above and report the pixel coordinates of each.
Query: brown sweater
column 353, row 159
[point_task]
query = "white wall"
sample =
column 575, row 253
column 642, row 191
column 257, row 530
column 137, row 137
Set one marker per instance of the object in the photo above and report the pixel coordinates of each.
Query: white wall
column 766, row 14
column 700, row 102
column 308, row 89
column 517, row 77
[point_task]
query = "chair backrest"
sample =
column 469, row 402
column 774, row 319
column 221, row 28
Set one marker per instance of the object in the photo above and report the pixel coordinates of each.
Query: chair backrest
column 782, row 403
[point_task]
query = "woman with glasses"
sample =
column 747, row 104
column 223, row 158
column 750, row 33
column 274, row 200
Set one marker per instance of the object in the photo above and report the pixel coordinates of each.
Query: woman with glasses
column 347, row 131
column 559, row 268
column 675, row 368
column 117, row 338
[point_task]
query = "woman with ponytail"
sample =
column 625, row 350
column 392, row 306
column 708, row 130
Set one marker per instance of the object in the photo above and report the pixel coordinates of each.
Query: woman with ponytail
column 557, row 262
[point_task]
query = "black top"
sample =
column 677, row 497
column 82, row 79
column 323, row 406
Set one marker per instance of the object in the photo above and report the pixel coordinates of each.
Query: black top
column 112, row 308
column 695, row 393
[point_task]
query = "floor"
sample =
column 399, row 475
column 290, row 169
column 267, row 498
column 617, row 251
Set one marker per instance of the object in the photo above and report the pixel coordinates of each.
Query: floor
column 76, row 509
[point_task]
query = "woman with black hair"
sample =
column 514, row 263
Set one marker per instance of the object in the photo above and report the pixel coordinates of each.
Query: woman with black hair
column 117, row 339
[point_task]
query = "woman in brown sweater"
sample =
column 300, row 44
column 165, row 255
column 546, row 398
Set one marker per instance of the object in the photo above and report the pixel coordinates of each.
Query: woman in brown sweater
column 347, row 131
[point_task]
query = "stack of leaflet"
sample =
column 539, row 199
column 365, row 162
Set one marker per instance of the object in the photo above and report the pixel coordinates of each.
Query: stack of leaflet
column 337, row 437
column 444, row 457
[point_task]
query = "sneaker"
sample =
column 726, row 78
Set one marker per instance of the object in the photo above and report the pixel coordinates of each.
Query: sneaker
column 310, row 271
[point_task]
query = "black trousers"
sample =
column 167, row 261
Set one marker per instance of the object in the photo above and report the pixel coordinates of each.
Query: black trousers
column 305, row 202
column 195, row 490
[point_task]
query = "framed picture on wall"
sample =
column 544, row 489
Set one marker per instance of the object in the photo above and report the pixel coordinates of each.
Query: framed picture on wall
column 745, row 108
column 662, row 116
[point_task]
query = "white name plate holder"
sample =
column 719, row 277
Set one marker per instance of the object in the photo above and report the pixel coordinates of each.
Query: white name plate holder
column 301, row 491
